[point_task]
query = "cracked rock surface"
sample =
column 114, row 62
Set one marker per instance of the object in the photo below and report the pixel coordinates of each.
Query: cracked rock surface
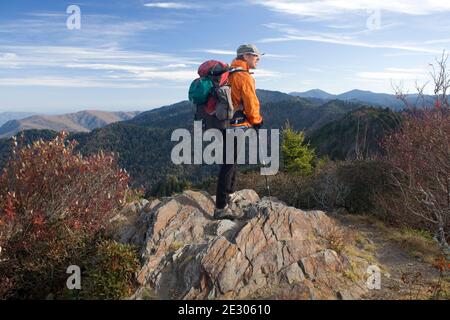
column 274, row 251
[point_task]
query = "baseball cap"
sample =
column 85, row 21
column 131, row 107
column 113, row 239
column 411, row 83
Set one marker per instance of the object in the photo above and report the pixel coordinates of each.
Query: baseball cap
column 248, row 48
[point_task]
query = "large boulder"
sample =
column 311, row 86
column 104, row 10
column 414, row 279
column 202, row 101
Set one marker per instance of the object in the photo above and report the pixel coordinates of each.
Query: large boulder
column 275, row 251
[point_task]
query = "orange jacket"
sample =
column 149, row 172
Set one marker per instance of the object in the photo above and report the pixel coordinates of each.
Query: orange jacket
column 243, row 92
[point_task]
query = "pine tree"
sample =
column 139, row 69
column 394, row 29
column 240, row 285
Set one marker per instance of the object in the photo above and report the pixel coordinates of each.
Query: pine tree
column 298, row 157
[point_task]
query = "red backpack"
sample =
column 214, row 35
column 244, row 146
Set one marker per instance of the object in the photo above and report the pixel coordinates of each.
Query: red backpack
column 211, row 94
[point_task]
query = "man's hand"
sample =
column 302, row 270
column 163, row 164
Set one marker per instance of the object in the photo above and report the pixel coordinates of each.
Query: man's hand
column 259, row 125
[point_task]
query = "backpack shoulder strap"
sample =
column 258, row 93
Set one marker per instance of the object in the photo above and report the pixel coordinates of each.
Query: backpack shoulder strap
column 238, row 69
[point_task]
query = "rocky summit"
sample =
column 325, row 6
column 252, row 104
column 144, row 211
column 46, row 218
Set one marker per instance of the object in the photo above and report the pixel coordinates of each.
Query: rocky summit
column 273, row 252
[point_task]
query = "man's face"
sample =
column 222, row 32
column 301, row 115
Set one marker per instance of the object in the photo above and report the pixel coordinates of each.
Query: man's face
column 252, row 60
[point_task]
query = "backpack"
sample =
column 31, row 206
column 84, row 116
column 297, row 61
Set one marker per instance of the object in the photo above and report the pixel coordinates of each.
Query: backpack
column 211, row 95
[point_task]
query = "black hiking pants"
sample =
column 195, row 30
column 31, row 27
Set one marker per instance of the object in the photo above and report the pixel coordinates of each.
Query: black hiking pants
column 226, row 183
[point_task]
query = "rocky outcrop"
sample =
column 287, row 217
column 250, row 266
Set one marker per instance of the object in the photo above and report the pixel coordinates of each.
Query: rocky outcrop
column 274, row 251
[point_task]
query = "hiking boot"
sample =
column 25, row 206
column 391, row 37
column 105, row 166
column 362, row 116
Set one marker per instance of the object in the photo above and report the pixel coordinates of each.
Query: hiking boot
column 232, row 200
column 225, row 213
column 231, row 197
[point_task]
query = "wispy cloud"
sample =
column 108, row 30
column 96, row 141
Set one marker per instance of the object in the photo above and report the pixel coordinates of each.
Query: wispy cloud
column 95, row 28
column 437, row 41
column 67, row 82
column 30, row 55
column 233, row 53
column 396, row 74
column 407, row 54
column 264, row 74
column 46, row 14
column 326, row 9
column 349, row 42
column 218, row 52
column 350, row 39
column 97, row 67
column 106, row 67
column 315, row 69
column 172, row 5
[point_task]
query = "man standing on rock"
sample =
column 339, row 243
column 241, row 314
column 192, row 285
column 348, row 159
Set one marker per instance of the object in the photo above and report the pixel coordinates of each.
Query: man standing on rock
column 243, row 93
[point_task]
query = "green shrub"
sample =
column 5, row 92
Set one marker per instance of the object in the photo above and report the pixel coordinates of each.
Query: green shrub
column 364, row 179
column 110, row 272
column 169, row 186
column 294, row 190
column 353, row 185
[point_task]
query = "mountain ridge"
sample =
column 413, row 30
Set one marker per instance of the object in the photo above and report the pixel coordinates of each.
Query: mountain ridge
column 82, row 121
column 365, row 96
column 12, row 115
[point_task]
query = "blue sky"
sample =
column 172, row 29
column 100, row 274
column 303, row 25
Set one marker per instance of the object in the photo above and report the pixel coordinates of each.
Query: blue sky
column 140, row 54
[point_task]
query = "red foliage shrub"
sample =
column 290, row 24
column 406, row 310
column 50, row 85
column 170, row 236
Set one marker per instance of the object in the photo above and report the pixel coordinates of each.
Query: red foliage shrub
column 53, row 203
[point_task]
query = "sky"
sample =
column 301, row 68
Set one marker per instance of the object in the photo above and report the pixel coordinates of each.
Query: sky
column 141, row 54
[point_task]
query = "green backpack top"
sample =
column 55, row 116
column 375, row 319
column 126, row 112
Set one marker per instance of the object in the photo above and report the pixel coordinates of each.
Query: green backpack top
column 200, row 90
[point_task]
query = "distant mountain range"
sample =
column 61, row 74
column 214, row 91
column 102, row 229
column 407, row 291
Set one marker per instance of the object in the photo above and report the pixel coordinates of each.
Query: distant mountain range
column 83, row 121
column 361, row 96
column 7, row 116
column 144, row 144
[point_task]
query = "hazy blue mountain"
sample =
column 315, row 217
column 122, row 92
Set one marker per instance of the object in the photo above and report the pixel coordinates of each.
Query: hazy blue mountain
column 380, row 99
column 8, row 116
column 83, row 121
column 384, row 100
column 314, row 93
column 267, row 96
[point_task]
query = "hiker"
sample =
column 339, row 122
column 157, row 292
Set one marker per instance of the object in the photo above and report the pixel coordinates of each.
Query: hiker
column 243, row 93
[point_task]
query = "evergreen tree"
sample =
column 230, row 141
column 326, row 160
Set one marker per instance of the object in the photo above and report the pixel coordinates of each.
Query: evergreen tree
column 298, row 157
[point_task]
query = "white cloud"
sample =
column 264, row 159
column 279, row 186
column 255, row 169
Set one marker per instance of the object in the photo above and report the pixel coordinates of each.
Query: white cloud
column 266, row 74
column 293, row 34
column 219, row 52
column 447, row 40
column 171, row 5
column 109, row 68
column 177, row 65
column 167, row 75
column 326, row 9
column 315, row 69
column 143, row 80
column 68, row 82
column 280, row 56
column 95, row 28
column 62, row 55
column 8, row 56
column 47, row 14
column 408, row 54
column 344, row 26
column 233, row 53
column 355, row 43
column 396, row 74
column 138, row 78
